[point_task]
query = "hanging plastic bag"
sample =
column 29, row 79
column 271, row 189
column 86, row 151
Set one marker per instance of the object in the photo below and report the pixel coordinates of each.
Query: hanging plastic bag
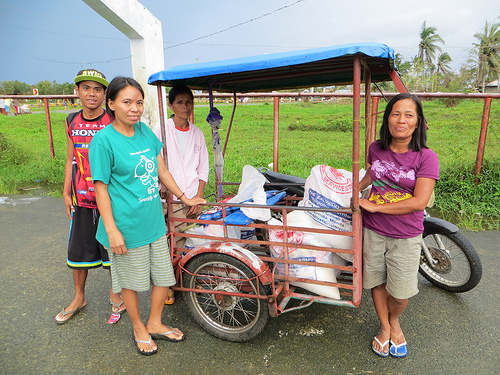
column 214, row 118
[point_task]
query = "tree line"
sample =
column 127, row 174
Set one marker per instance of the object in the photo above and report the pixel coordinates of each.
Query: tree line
column 44, row 88
column 428, row 71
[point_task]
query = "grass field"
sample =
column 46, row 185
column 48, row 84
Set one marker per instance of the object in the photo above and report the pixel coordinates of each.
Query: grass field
column 310, row 134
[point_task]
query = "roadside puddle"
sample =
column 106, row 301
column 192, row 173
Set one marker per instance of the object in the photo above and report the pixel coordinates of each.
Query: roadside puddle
column 17, row 201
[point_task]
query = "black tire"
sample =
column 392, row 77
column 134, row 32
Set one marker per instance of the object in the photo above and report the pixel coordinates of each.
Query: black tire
column 458, row 268
column 233, row 318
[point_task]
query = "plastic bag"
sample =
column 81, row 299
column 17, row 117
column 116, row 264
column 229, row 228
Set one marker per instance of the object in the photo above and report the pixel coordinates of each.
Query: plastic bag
column 252, row 187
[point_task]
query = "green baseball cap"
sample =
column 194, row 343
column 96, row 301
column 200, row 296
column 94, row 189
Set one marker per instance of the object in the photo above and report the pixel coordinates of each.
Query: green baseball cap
column 92, row 75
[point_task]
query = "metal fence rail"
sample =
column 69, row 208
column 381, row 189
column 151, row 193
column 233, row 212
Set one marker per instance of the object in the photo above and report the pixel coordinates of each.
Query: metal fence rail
column 371, row 110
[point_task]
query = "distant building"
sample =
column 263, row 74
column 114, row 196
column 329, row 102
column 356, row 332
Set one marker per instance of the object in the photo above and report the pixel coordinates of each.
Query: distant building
column 492, row 87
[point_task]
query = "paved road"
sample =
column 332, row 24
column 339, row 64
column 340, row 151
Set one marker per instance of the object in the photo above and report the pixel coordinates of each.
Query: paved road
column 447, row 333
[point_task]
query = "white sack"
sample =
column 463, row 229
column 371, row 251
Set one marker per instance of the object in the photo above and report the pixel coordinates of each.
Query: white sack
column 214, row 230
column 301, row 219
column 327, row 187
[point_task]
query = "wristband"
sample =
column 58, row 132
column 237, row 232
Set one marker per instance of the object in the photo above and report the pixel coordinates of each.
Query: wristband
column 179, row 198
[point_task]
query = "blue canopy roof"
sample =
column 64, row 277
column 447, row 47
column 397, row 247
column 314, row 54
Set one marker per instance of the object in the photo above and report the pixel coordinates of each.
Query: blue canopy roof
column 313, row 67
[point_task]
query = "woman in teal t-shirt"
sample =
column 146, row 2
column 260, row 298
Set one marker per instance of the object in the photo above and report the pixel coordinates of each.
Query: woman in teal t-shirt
column 125, row 163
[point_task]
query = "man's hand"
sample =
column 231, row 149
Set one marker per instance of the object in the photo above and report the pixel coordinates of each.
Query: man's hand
column 68, row 203
column 194, row 210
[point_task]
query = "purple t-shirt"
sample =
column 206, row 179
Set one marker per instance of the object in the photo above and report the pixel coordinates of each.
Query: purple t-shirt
column 393, row 178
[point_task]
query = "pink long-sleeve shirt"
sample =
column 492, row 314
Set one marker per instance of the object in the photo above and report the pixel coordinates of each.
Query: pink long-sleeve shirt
column 187, row 171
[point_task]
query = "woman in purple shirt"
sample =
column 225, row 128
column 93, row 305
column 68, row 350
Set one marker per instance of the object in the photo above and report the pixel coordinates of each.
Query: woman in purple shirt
column 402, row 172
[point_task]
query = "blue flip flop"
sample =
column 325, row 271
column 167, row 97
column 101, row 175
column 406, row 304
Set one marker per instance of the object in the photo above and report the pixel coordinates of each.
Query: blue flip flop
column 398, row 351
column 380, row 353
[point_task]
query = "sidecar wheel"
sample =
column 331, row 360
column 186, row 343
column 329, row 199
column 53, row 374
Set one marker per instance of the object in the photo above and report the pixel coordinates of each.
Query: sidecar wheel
column 232, row 318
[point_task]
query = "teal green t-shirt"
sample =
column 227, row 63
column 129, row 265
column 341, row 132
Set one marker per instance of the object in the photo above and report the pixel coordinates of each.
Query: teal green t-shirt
column 128, row 165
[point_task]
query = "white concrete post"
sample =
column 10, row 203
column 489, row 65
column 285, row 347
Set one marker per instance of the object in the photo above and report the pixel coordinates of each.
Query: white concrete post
column 146, row 45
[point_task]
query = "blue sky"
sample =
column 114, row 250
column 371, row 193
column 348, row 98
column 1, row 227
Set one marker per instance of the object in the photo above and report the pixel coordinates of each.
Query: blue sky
column 53, row 39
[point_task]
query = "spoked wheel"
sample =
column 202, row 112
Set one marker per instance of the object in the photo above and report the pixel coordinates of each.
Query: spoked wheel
column 232, row 318
column 455, row 267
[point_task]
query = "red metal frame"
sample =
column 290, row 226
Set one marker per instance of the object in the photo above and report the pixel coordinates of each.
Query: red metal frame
column 276, row 120
column 261, row 265
column 49, row 128
column 482, row 136
column 282, row 291
column 356, row 212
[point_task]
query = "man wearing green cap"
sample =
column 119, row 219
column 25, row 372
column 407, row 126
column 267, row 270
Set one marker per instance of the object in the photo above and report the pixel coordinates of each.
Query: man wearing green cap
column 84, row 252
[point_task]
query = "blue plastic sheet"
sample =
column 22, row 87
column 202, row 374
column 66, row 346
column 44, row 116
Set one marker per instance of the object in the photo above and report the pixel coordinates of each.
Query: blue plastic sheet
column 313, row 67
column 234, row 216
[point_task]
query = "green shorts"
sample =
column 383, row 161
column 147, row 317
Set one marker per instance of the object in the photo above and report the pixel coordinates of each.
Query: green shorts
column 142, row 266
column 393, row 261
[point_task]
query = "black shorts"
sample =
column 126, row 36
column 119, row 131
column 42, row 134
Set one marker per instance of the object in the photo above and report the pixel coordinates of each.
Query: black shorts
column 84, row 251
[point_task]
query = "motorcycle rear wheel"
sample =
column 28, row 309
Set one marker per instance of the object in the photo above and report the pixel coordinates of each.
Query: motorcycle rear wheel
column 457, row 268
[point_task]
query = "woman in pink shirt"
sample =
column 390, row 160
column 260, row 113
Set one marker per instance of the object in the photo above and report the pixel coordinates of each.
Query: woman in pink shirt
column 187, row 155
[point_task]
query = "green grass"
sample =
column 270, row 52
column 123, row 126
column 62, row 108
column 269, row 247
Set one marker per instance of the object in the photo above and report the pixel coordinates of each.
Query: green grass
column 461, row 200
column 25, row 154
column 310, row 134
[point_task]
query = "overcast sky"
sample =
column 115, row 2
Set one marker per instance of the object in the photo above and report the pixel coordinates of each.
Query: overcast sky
column 53, row 39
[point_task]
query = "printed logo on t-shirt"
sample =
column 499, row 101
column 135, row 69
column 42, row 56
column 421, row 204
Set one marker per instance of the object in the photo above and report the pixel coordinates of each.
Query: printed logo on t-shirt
column 387, row 190
column 145, row 171
column 388, row 168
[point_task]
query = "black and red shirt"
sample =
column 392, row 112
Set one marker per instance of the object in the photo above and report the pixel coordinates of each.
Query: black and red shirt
column 81, row 131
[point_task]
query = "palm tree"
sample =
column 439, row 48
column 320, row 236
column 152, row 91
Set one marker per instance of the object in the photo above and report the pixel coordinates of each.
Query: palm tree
column 427, row 47
column 443, row 63
column 488, row 52
column 403, row 66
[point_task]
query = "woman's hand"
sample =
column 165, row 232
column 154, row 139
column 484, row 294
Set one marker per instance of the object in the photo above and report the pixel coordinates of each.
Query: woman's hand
column 420, row 198
column 117, row 242
column 368, row 205
column 195, row 210
column 193, row 202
